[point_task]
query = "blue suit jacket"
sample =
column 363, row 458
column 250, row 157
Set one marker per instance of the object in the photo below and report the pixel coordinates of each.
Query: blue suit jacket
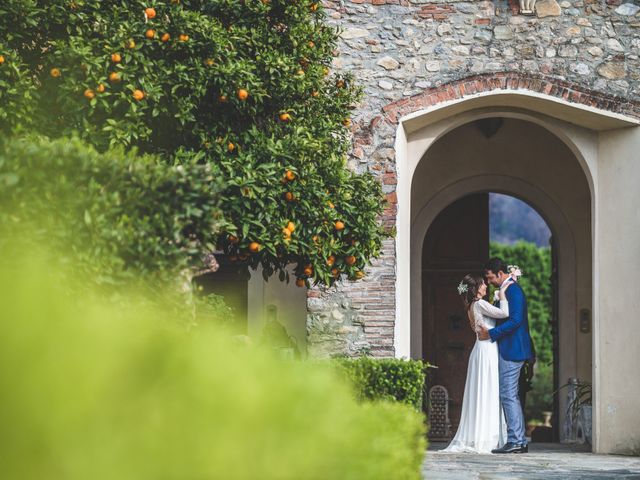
column 512, row 333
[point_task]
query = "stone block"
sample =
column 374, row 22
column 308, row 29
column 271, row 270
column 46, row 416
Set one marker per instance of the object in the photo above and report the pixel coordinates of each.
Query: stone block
column 548, row 8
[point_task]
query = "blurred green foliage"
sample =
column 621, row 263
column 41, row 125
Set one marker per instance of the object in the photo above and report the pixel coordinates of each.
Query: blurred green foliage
column 93, row 390
column 116, row 216
column 386, row 379
column 244, row 87
column 536, row 282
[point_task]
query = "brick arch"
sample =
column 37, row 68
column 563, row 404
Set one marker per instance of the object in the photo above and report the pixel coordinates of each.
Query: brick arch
column 538, row 83
column 465, row 88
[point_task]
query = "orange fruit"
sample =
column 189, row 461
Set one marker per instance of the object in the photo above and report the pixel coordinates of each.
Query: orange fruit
column 300, row 72
column 55, row 72
column 1, row 59
column 286, row 232
column 150, row 12
column 114, row 77
column 233, row 239
column 289, row 197
column 311, row 44
column 116, row 58
column 222, row 99
column 243, row 94
column 290, row 176
column 254, row 247
column 331, row 205
column 300, row 282
column 130, row 44
column 100, row 88
column 359, row 274
column 339, row 225
column 138, row 94
column 340, row 83
column 308, row 270
column 335, row 272
column 209, row 62
column 165, row 37
column 183, row 37
column 346, row 122
column 231, row 147
column 331, row 260
column 314, row 7
column 150, row 33
column 89, row 94
column 285, row 117
column 291, row 226
column 350, row 260
column 315, row 93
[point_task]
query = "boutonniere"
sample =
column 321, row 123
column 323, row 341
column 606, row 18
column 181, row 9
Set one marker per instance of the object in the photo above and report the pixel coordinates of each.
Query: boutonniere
column 515, row 271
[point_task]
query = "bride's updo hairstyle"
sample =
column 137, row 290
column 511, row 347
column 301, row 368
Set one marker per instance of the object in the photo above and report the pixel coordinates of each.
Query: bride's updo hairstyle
column 468, row 294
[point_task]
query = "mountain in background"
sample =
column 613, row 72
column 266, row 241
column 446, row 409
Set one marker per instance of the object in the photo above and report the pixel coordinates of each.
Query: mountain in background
column 511, row 220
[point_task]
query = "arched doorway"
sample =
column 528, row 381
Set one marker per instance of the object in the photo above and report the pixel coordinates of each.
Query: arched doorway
column 459, row 241
column 520, row 158
column 601, row 132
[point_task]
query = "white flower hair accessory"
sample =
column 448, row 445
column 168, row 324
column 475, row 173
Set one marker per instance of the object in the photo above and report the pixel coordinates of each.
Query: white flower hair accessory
column 462, row 288
column 515, row 270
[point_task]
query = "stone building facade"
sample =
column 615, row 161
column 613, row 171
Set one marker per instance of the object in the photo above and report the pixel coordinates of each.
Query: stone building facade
column 573, row 69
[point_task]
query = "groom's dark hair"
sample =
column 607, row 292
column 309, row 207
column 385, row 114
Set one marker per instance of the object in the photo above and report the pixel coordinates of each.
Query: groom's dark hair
column 496, row 265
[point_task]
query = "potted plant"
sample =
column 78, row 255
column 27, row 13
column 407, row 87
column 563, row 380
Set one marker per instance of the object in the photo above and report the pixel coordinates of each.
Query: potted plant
column 581, row 406
column 579, row 409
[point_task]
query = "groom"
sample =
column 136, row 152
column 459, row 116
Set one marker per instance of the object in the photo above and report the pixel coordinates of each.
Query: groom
column 514, row 345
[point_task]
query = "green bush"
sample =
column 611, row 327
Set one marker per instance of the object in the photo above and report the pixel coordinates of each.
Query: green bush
column 536, row 282
column 115, row 215
column 386, row 379
column 244, row 86
column 103, row 393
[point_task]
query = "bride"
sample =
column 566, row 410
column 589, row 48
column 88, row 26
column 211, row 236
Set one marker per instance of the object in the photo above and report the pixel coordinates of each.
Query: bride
column 482, row 426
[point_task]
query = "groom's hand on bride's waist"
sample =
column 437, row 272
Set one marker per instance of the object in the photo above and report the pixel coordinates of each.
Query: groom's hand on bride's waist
column 483, row 333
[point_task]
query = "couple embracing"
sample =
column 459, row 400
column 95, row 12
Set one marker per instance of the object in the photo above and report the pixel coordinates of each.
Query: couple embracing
column 492, row 420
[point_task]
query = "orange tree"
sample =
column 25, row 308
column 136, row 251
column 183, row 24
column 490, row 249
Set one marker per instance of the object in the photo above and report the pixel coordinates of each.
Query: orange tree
column 244, row 85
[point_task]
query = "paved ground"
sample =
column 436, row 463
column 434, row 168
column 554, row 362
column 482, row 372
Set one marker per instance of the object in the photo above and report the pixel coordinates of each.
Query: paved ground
column 544, row 461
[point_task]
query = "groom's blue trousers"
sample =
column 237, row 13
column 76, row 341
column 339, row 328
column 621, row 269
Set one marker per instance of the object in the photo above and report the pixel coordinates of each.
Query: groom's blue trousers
column 509, row 375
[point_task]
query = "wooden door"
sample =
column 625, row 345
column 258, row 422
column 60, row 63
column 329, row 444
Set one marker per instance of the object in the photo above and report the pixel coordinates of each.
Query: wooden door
column 457, row 243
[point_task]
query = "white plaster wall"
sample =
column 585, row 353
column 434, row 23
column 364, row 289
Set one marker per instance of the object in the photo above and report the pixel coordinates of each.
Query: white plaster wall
column 617, row 253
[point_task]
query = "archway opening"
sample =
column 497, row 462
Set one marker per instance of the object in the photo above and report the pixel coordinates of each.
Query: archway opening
column 459, row 241
column 516, row 157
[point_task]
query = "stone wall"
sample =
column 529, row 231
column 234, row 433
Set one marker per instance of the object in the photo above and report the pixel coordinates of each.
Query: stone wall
column 411, row 54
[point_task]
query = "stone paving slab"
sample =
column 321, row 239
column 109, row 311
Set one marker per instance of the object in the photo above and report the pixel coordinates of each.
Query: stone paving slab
column 543, row 462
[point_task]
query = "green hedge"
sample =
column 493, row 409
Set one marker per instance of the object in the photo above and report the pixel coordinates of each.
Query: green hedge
column 116, row 215
column 101, row 392
column 386, row 379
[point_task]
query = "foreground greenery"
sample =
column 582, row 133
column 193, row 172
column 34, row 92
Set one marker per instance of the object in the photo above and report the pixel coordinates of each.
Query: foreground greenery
column 244, row 87
column 536, row 265
column 101, row 391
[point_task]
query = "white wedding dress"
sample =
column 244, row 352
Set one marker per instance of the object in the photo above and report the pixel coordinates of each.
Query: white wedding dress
column 482, row 426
